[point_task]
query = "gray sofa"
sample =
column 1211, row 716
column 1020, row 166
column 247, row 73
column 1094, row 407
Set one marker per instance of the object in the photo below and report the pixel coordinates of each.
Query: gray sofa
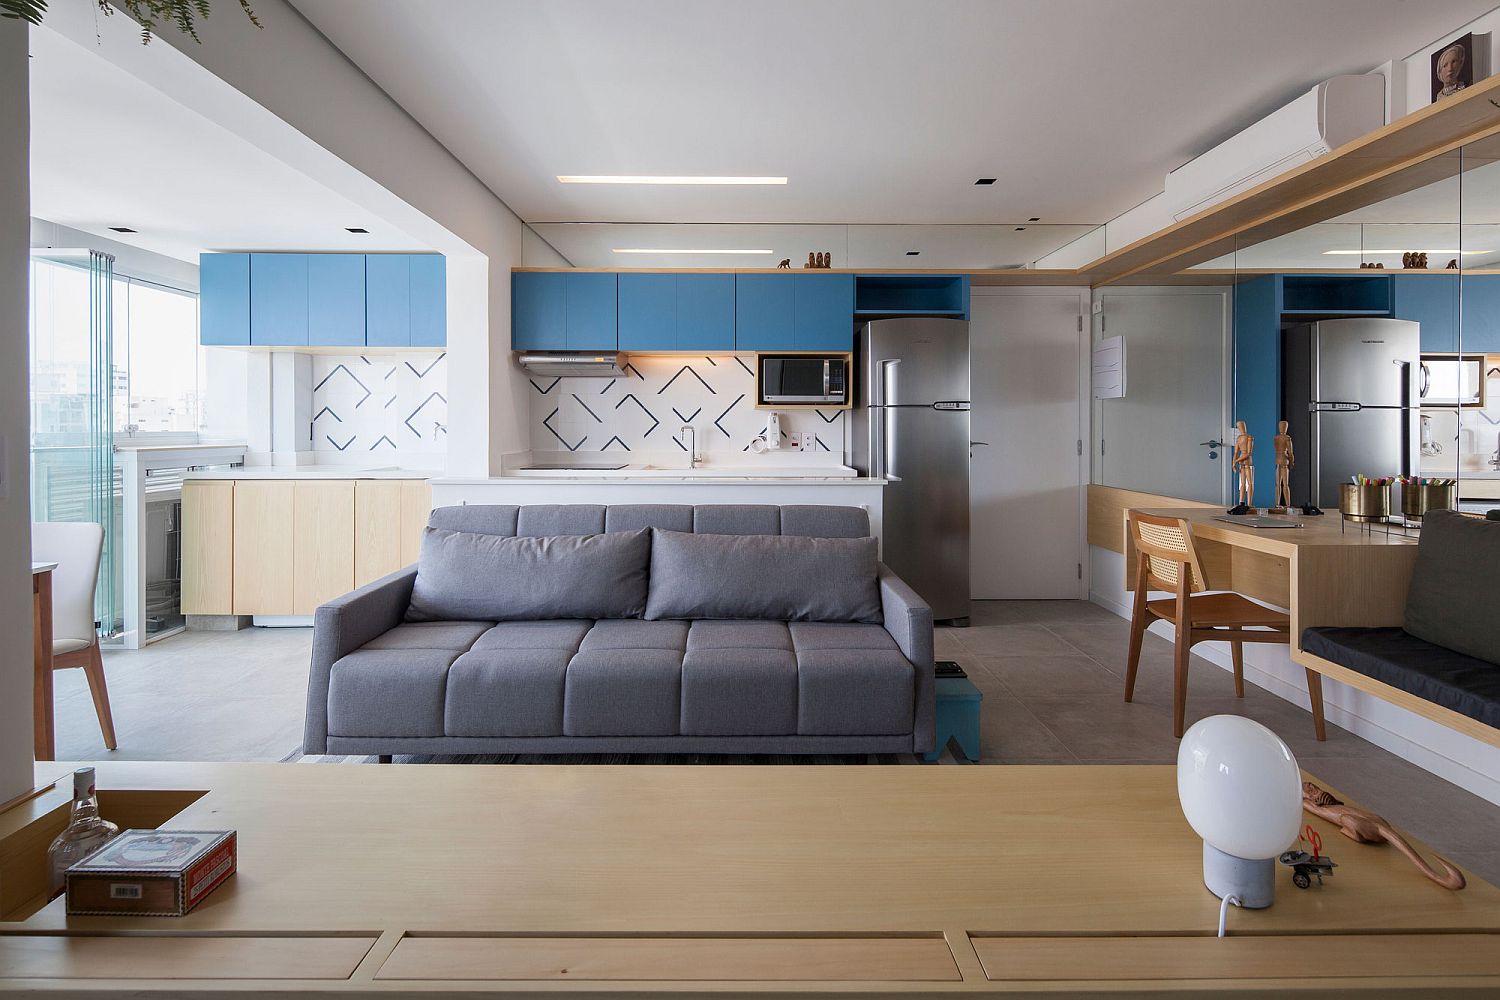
column 718, row 647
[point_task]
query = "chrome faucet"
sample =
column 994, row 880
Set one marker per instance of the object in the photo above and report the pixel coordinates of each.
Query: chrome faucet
column 693, row 448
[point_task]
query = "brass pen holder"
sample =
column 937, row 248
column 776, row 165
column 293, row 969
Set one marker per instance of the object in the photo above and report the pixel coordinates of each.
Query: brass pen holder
column 1365, row 503
column 1418, row 500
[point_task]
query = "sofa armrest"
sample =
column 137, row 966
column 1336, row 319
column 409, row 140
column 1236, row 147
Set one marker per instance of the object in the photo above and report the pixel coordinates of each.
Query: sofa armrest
column 339, row 628
column 909, row 621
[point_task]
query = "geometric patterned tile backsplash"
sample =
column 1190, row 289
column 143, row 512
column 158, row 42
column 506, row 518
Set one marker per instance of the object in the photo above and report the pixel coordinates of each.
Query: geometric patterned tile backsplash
column 645, row 410
column 380, row 404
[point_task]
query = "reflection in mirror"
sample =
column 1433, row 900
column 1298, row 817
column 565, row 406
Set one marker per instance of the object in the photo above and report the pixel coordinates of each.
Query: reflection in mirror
column 1466, row 414
column 958, row 248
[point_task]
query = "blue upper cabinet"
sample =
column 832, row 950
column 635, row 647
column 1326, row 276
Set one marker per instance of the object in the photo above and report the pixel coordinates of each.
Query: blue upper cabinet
column 278, row 299
column 224, row 298
column 823, row 312
column 429, row 300
column 1479, row 330
column 676, row 312
column 336, row 299
column 1432, row 301
column 590, row 311
column 763, row 312
column 388, row 300
column 538, row 311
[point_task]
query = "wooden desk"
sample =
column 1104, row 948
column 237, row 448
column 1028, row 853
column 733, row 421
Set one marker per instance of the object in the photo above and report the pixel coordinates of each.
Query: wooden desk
column 1325, row 573
column 41, row 659
column 700, row 881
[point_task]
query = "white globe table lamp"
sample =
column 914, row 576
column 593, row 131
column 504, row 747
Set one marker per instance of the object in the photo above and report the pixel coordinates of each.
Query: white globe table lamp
column 1241, row 792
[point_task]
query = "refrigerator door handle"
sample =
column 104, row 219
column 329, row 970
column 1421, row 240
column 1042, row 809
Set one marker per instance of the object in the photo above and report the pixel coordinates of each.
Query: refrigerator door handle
column 887, row 393
column 878, row 416
column 1426, row 380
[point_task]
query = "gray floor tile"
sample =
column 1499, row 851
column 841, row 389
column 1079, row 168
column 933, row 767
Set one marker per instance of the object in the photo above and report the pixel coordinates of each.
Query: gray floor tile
column 1045, row 677
column 1012, row 640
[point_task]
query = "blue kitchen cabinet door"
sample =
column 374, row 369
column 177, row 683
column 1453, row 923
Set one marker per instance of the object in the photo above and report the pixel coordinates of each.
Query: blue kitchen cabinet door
column 278, row 299
column 1432, row 301
column 648, row 312
column 388, row 300
column 336, row 300
column 429, row 300
column 763, row 312
column 224, row 299
column 1479, row 329
column 538, row 311
column 591, row 312
column 823, row 312
column 705, row 312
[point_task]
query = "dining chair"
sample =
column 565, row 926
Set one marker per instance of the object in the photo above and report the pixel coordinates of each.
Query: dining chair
column 76, row 547
column 1166, row 560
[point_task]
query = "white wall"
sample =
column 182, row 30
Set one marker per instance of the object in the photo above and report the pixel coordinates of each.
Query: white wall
column 130, row 262
column 15, row 428
column 537, row 252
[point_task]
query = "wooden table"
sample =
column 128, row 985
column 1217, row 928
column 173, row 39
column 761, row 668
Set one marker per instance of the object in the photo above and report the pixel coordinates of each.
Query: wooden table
column 41, row 659
column 1327, row 572
column 702, row 881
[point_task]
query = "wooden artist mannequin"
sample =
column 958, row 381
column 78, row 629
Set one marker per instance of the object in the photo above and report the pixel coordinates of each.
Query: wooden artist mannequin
column 1285, row 459
column 1244, row 453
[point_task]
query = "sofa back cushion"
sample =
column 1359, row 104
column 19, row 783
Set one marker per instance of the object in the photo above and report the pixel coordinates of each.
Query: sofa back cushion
column 467, row 576
column 1455, row 586
column 763, row 576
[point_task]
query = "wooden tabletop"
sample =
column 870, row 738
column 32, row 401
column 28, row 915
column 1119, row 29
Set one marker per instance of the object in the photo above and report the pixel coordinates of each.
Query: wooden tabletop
column 1329, row 530
column 938, row 865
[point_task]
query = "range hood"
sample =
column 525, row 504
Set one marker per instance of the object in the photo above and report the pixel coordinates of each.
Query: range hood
column 576, row 364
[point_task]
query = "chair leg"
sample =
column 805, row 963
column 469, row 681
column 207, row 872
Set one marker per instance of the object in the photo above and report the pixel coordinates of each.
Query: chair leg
column 1237, row 651
column 1315, row 695
column 1137, row 633
column 94, row 670
column 1181, row 652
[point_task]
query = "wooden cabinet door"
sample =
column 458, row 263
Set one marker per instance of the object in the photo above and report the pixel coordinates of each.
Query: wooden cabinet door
column 590, row 312
column 823, row 312
column 538, row 316
column 336, row 299
column 763, row 312
column 378, row 529
column 278, row 299
column 416, row 504
column 323, row 542
column 224, row 298
column 263, row 547
column 429, row 300
column 388, row 300
column 208, row 547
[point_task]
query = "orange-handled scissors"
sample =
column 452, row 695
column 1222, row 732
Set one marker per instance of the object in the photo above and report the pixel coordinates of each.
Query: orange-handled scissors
column 1314, row 841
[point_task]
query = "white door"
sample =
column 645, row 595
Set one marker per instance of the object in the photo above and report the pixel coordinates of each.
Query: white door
column 1026, row 479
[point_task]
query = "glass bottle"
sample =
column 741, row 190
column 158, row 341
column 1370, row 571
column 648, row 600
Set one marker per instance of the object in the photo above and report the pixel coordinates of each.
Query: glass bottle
column 86, row 832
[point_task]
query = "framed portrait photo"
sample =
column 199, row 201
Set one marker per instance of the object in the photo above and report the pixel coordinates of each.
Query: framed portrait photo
column 1453, row 67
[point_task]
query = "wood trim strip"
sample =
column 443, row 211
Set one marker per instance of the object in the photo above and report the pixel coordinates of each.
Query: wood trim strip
column 86, row 957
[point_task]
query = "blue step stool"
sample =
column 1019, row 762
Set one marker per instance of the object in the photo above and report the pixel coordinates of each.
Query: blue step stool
column 958, row 702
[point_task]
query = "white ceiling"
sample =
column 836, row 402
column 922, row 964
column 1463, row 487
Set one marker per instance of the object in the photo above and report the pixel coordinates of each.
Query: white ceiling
column 110, row 150
column 879, row 111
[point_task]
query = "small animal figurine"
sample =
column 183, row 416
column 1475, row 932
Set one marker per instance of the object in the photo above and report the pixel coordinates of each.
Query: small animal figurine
column 785, row 265
column 1364, row 827
column 1406, row 259
column 822, row 260
column 1422, row 261
column 812, row 259
column 1453, row 264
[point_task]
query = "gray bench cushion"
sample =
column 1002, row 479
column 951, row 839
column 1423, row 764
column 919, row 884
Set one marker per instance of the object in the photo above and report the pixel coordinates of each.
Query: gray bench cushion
column 507, row 692
column 457, row 636
column 763, row 577
column 1464, row 684
column 1451, row 601
column 739, row 691
column 623, row 692
column 389, row 692
column 464, row 575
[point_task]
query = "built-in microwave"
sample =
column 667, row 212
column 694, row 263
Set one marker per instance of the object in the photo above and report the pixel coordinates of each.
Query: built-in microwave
column 802, row 380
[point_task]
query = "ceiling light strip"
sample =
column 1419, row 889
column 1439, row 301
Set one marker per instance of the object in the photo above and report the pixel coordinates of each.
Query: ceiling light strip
column 655, row 179
column 1362, row 253
column 685, row 250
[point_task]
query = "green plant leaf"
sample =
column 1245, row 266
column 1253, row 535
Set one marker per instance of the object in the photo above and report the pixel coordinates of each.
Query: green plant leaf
column 30, row 11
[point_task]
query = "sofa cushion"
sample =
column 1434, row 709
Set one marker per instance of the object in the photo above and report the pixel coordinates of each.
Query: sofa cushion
column 463, row 575
column 839, row 635
column 1443, row 676
column 1453, row 589
column 623, row 692
column 854, row 692
column 825, row 521
column 544, row 519
column 762, row 576
column 389, row 692
column 480, row 518
column 737, row 519
column 457, row 636
column 562, row 633
column 630, row 516
column 497, row 692
column 635, row 634
column 711, row 634
column 742, row 691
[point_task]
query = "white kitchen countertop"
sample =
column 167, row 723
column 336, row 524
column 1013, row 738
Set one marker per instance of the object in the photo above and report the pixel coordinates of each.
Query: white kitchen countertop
column 310, row 472
column 623, row 478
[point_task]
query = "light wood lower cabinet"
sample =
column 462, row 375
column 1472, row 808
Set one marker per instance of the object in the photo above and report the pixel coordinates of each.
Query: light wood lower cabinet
column 283, row 547
column 208, row 547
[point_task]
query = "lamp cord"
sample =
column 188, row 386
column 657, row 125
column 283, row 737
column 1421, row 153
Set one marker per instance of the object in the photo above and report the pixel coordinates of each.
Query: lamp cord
column 1224, row 912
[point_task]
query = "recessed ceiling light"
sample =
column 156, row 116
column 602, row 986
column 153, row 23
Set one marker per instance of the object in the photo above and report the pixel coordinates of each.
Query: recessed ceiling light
column 355, row 229
column 985, row 180
column 912, row 253
column 1020, row 229
column 684, row 250
column 650, row 179
column 1358, row 253
column 1035, row 218
column 121, row 229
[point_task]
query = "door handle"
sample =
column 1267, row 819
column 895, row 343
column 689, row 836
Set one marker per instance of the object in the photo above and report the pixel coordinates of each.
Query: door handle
column 1215, row 445
column 977, row 444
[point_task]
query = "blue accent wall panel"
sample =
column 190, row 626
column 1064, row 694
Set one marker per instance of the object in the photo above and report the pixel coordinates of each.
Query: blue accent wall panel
column 648, row 312
column 388, row 300
column 1257, row 374
column 1480, row 327
column 429, row 300
column 591, row 312
column 224, row 298
column 278, row 299
column 336, row 300
column 763, row 312
column 538, row 311
column 823, row 312
column 705, row 312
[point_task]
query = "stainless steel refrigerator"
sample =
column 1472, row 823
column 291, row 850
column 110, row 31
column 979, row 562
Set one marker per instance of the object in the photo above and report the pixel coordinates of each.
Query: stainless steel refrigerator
column 1351, row 401
column 911, row 426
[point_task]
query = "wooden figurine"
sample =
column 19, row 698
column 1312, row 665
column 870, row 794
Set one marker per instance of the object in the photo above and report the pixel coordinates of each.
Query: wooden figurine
column 1364, row 827
column 812, row 260
column 1453, row 264
column 1286, row 458
column 1243, row 465
column 785, row 265
column 1422, row 260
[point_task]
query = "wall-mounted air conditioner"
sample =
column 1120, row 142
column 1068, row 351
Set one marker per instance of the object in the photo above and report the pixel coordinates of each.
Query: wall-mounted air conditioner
column 1333, row 113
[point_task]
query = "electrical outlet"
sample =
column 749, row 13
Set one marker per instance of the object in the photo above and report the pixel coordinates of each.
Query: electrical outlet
column 795, row 439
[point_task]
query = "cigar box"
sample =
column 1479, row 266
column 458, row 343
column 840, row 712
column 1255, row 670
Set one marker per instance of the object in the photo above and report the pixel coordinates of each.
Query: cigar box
column 151, row 873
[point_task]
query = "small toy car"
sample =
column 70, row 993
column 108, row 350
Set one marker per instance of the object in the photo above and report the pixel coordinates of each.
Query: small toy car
column 1305, row 867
